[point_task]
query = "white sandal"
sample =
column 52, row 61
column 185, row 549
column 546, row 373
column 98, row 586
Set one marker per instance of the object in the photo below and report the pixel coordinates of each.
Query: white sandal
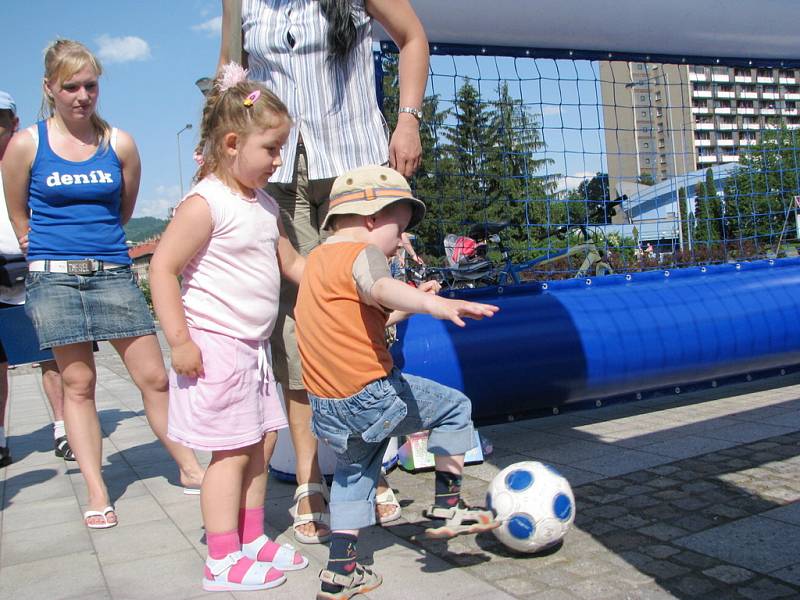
column 389, row 498
column 253, row 579
column 106, row 524
column 284, row 558
column 324, row 518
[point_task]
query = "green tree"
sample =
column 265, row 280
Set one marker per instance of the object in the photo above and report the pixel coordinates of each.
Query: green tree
column 589, row 203
column 687, row 219
column 709, row 225
column 646, row 179
column 761, row 191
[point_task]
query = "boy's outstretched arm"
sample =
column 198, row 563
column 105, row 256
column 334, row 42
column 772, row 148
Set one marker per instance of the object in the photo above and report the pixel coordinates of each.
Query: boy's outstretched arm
column 396, row 295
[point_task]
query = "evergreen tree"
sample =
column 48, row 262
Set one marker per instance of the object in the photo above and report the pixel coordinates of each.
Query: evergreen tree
column 686, row 224
column 589, row 203
column 763, row 189
column 708, row 213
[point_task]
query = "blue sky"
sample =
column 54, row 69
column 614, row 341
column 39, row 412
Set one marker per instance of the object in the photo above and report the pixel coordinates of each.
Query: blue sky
column 153, row 52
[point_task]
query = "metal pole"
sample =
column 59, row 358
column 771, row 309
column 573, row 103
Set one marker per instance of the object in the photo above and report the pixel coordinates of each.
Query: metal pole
column 674, row 161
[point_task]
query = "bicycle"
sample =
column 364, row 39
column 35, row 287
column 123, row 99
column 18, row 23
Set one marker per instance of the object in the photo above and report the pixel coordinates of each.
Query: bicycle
column 471, row 268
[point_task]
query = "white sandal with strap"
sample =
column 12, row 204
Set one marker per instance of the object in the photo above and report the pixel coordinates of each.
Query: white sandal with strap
column 387, row 498
column 324, row 518
column 284, row 558
column 253, row 579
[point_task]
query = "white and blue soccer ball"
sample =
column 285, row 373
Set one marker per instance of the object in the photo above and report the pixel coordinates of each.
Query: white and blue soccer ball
column 535, row 504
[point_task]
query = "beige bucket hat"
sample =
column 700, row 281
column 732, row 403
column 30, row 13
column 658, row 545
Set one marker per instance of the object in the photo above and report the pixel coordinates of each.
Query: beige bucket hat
column 367, row 190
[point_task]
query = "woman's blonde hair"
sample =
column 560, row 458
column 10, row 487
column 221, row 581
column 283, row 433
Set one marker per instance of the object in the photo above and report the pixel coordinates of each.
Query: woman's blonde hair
column 230, row 111
column 62, row 59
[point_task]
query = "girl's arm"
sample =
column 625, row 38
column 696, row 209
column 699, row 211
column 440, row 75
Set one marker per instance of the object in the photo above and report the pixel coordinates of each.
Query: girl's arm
column 396, row 295
column 128, row 155
column 186, row 234
column 16, row 167
column 290, row 260
column 400, row 21
column 225, row 44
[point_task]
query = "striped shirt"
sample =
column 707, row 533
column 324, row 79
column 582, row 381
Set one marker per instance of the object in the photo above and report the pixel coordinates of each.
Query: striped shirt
column 334, row 109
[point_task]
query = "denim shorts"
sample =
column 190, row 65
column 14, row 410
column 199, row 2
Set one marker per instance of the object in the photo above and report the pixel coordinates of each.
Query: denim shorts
column 67, row 309
column 358, row 429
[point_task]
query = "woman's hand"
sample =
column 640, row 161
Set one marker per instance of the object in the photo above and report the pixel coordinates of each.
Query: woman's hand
column 23, row 244
column 405, row 147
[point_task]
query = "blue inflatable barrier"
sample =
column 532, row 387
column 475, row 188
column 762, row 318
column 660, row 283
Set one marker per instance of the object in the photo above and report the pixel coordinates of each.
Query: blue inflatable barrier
column 571, row 341
column 19, row 337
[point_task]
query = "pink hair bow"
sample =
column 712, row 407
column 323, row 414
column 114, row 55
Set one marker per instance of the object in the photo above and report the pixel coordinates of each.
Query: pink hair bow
column 230, row 75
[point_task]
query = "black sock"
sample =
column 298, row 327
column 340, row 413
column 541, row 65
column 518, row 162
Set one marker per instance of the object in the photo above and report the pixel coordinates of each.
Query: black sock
column 342, row 557
column 448, row 489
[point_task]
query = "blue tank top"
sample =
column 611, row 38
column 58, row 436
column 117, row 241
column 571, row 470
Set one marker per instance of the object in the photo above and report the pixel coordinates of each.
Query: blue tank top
column 75, row 206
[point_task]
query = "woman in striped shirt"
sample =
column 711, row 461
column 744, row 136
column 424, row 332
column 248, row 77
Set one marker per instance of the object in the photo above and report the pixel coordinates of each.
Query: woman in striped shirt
column 317, row 56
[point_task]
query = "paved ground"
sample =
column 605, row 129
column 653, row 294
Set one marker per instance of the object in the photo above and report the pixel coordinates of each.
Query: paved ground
column 693, row 496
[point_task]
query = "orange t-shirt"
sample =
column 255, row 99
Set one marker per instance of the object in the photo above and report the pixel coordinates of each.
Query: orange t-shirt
column 341, row 338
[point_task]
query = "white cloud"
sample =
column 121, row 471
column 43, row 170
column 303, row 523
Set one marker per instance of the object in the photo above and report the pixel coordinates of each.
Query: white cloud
column 574, row 180
column 211, row 28
column 159, row 203
column 122, row 49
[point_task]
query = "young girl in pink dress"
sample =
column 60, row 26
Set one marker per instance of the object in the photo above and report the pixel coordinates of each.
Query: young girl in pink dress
column 227, row 243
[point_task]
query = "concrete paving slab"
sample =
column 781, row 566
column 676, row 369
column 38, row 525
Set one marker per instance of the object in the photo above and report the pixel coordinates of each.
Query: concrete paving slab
column 756, row 543
column 646, row 476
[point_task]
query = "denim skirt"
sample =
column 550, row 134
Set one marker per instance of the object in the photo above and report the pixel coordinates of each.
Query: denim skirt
column 67, row 309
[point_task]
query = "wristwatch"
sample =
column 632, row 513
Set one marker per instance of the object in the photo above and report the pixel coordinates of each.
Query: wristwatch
column 412, row 111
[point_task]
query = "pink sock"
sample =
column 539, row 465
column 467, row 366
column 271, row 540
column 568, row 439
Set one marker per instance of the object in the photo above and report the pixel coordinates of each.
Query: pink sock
column 251, row 523
column 222, row 544
column 251, row 526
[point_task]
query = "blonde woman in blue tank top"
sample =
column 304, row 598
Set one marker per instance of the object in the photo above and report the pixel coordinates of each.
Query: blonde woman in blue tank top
column 71, row 182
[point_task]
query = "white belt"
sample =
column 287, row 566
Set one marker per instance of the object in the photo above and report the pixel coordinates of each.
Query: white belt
column 85, row 266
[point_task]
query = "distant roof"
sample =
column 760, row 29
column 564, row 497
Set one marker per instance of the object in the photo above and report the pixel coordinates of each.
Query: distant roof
column 143, row 249
column 645, row 198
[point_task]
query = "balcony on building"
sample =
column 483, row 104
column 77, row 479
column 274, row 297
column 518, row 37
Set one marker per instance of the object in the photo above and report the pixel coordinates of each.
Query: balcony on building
column 728, row 158
column 697, row 74
column 769, row 110
column 765, row 76
column 700, row 110
column 787, row 78
column 703, row 143
column 704, row 126
column 701, row 93
column 703, row 159
column 726, row 91
column 791, row 96
column 725, row 142
column 723, row 110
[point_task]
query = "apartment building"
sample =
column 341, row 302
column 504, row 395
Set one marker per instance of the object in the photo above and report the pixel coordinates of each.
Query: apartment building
column 665, row 120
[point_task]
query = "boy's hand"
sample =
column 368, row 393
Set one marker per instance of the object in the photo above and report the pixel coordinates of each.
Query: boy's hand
column 453, row 310
column 187, row 360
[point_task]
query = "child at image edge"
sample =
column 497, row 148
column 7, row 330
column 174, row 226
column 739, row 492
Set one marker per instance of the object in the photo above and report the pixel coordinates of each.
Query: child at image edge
column 227, row 242
column 358, row 398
